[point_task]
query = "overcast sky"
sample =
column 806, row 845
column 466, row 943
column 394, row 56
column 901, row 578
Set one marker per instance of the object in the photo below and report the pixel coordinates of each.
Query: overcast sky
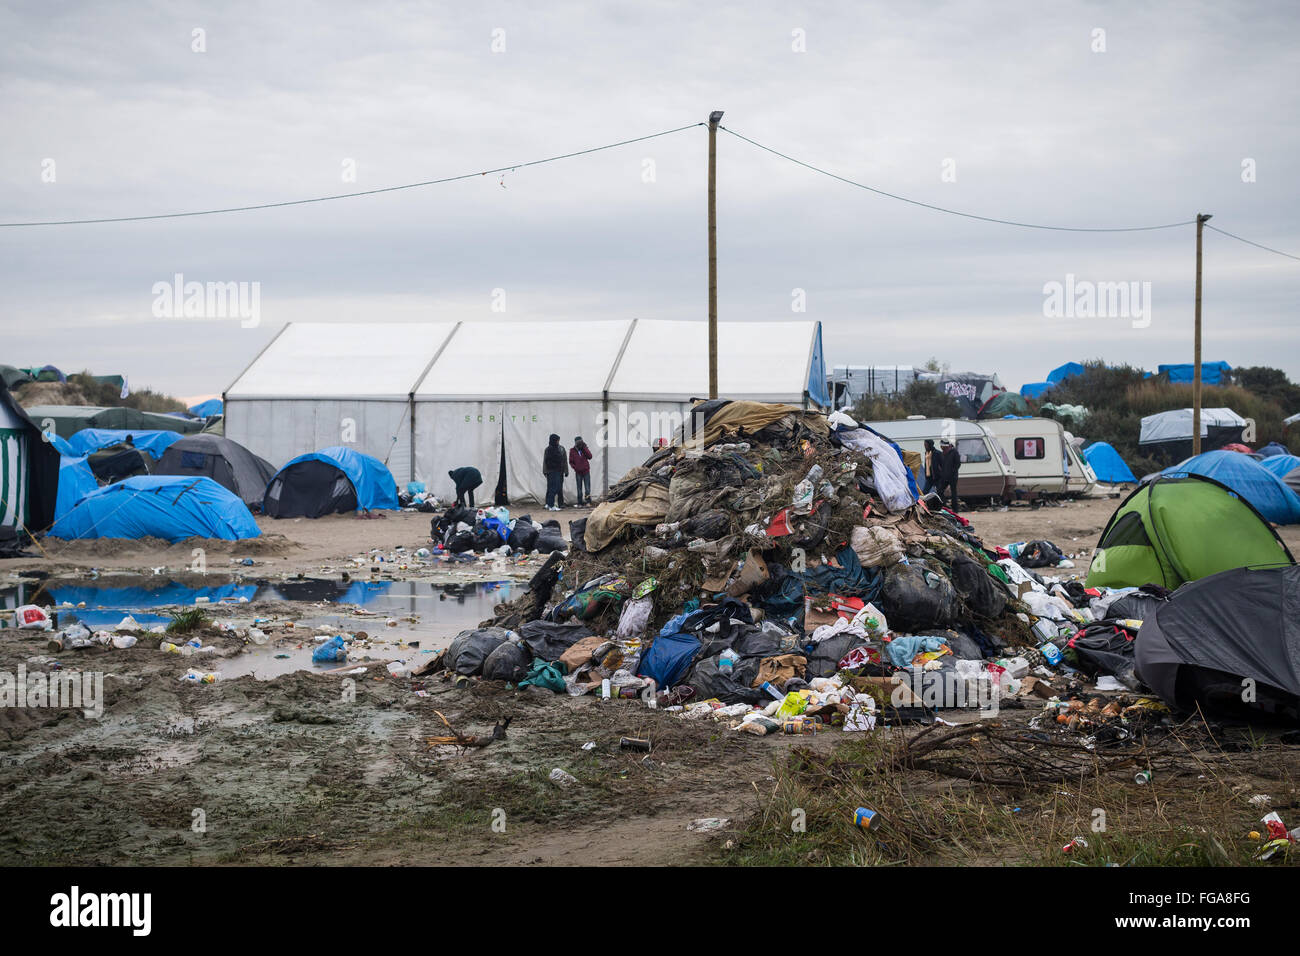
column 1013, row 101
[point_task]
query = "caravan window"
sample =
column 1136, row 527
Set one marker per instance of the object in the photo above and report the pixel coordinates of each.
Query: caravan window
column 973, row 450
column 1027, row 448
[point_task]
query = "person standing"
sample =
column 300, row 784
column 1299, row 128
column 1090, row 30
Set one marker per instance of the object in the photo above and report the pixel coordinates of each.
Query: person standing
column 931, row 456
column 555, row 466
column 580, row 462
column 948, row 466
column 466, row 479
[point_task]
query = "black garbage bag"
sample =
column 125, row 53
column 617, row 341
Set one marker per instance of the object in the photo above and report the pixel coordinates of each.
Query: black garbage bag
column 1040, row 554
column 460, row 513
column 826, row 655
column 486, row 539
column 523, row 536
column 981, row 594
column 577, row 532
column 469, row 649
column 733, row 688
column 756, row 642
column 709, row 525
column 913, row 599
column 1105, row 648
column 548, row 640
column 509, row 662
column 551, row 539
column 460, row 542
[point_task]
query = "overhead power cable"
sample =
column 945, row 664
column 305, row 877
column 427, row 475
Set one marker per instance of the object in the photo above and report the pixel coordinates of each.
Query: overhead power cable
column 1248, row 242
column 365, row 192
column 955, row 212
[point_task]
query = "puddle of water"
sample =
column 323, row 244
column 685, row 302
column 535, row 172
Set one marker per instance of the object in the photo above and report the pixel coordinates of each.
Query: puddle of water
column 428, row 613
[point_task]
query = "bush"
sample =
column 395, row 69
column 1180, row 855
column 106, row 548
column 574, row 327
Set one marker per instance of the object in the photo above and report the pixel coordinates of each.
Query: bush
column 919, row 398
column 1119, row 398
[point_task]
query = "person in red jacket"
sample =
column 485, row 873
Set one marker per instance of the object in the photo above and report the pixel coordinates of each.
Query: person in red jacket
column 580, row 462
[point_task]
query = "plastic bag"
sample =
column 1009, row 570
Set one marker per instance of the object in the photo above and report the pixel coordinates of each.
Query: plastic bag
column 332, row 651
column 915, row 600
column 509, row 662
column 31, row 617
column 471, row 648
column 636, row 615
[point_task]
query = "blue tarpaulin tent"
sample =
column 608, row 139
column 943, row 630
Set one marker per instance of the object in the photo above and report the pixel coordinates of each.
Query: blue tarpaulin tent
column 1106, row 463
column 1211, row 372
column 1268, row 493
column 76, row 480
column 1034, row 389
column 1062, row 372
column 93, row 439
column 207, row 409
column 327, row 481
column 172, row 507
column 1280, row 465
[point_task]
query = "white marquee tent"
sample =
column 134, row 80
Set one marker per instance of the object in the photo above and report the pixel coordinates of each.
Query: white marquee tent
column 429, row 397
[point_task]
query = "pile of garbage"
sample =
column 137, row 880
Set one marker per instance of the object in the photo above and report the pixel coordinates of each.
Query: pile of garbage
column 778, row 568
column 493, row 531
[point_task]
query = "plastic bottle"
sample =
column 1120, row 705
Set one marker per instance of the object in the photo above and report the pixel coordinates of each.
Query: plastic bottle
column 1051, row 653
column 184, row 650
column 727, row 661
column 776, row 694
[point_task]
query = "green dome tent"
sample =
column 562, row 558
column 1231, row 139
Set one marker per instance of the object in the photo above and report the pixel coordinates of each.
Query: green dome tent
column 1181, row 528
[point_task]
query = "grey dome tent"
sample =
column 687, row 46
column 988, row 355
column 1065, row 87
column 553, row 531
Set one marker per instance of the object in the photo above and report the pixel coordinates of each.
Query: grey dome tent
column 227, row 462
column 1167, row 436
column 1228, row 644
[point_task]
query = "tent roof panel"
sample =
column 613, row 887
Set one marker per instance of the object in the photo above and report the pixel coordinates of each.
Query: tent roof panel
column 354, row 359
column 546, row 360
column 669, row 359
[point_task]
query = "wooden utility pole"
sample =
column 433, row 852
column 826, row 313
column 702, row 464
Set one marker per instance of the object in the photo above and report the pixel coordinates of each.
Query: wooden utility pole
column 714, row 119
column 1201, row 219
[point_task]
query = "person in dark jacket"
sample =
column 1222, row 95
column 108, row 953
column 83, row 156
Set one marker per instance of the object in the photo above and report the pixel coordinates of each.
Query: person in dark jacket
column 949, row 465
column 466, row 479
column 580, row 462
column 555, row 466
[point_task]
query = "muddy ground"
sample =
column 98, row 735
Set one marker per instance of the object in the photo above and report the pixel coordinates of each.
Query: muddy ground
column 313, row 768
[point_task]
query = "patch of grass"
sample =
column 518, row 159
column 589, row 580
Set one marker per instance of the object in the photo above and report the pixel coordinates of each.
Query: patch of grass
column 183, row 622
column 1197, row 816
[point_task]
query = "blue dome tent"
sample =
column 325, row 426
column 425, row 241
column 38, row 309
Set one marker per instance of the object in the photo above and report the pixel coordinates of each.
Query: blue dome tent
column 1273, row 448
column 93, row 439
column 1211, row 372
column 213, row 406
column 1280, row 465
column 327, row 481
column 1062, row 372
column 1106, row 463
column 171, row 507
column 1265, row 491
column 76, row 480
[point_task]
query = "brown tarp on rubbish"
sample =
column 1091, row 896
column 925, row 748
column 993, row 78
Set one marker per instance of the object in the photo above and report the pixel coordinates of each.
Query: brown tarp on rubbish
column 646, row 505
column 751, row 416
